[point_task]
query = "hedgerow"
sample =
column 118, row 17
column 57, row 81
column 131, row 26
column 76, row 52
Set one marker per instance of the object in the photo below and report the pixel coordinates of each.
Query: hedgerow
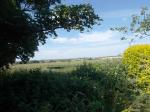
column 89, row 88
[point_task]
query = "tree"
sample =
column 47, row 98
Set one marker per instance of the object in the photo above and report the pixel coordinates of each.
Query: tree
column 139, row 26
column 137, row 58
column 27, row 23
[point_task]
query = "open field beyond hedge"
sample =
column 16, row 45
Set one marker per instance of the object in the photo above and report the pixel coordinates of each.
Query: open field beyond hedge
column 65, row 65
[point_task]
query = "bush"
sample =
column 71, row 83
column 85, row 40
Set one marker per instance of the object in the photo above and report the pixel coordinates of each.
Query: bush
column 137, row 59
column 115, row 91
column 141, row 104
column 36, row 91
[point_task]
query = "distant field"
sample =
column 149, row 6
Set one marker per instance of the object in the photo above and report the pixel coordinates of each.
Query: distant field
column 62, row 65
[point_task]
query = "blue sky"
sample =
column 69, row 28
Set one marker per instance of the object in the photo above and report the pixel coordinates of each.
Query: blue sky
column 100, row 41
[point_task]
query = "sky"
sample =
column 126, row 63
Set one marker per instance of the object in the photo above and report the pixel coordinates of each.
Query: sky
column 100, row 41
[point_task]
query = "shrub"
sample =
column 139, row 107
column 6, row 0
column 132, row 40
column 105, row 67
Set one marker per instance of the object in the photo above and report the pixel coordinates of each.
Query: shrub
column 137, row 59
column 36, row 91
column 115, row 91
column 141, row 104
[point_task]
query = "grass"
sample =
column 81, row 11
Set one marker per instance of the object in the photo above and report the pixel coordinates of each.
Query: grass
column 61, row 66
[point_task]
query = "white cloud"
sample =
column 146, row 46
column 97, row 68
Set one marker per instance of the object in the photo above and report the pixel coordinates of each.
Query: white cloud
column 95, row 37
column 80, row 52
column 105, row 43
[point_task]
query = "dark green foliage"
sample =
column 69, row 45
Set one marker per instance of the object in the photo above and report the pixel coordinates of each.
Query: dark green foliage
column 90, row 88
column 35, row 91
column 25, row 24
column 115, row 91
column 142, row 103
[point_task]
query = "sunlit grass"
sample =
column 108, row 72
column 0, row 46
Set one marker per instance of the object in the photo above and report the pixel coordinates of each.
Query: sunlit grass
column 62, row 66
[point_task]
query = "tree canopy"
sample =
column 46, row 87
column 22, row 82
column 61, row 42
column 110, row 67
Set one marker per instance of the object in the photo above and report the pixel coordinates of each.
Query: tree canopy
column 27, row 23
column 139, row 26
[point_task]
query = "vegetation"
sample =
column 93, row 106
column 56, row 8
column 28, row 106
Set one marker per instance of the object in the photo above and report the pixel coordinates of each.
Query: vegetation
column 102, row 85
column 137, row 60
column 139, row 26
column 59, row 65
column 89, row 88
column 83, row 85
column 27, row 23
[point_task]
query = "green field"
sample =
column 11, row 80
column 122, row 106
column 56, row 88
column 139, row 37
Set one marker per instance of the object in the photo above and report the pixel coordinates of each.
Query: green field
column 62, row 65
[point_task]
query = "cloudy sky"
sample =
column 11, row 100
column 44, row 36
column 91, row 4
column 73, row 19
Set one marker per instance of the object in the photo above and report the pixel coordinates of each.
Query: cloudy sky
column 99, row 41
